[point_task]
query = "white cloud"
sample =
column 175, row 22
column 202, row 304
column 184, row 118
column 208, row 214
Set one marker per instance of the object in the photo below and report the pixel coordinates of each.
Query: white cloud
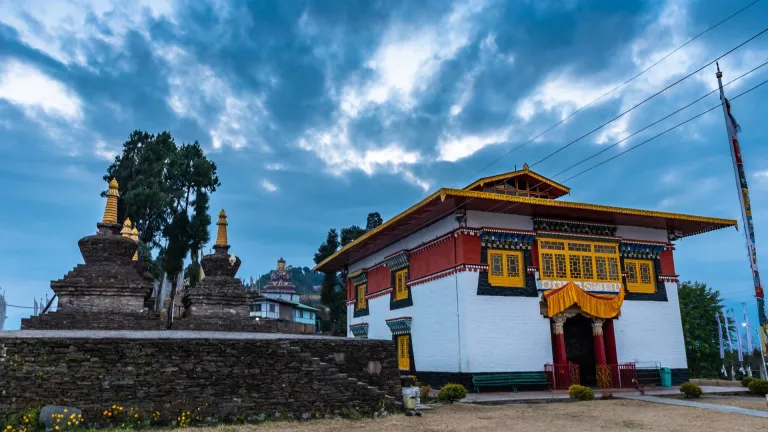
column 268, row 186
column 62, row 29
column 274, row 166
column 103, row 152
column 195, row 89
column 455, row 147
column 29, row 88
column 563, row 92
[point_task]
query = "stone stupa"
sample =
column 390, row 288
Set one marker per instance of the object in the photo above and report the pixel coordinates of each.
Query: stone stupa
column 108, row 291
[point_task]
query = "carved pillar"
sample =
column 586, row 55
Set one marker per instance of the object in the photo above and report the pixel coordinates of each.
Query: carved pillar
column 602, row 369
column 559, row 339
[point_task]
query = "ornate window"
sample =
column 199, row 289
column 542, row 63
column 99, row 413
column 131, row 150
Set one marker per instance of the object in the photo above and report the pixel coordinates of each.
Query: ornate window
column 401, row 287
column 505, row 268
column 578, row 260
column 640, row 276
column 403, row 352
column 361, row 304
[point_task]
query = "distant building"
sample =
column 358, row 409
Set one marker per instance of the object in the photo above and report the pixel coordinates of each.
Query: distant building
column 280, row 301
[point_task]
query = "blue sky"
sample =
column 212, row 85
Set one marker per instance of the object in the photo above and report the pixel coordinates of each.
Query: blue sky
column 319, row 112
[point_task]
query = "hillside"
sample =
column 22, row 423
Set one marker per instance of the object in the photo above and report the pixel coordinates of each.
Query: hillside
column 304, row 278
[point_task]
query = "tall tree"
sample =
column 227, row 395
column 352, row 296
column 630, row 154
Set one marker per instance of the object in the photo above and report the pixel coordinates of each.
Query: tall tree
column 374, row 220
column 350, row 234
column 698, row 305
column 330, row 294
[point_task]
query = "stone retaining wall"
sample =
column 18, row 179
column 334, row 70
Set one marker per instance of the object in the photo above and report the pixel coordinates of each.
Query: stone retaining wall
column 223, row 374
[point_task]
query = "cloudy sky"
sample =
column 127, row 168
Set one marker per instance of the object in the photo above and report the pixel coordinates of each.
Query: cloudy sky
column 319, row 112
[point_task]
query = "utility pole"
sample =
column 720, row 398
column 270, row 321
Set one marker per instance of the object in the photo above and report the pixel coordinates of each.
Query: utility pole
column 732, row 128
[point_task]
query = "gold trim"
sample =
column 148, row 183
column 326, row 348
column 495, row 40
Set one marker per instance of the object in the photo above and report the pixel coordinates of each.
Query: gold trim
column 528, row 200
column 538, row 177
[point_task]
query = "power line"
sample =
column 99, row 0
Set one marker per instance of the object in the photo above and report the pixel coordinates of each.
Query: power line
column 617, row 87
column 648, row 99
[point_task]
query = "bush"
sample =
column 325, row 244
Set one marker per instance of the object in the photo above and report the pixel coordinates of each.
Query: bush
column 424, row 390
column 758, row 386
column 746, row 380
column 690, row 390
column 452, row 392
column 581, row 393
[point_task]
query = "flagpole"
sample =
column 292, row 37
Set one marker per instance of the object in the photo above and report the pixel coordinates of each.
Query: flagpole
column 746, row 209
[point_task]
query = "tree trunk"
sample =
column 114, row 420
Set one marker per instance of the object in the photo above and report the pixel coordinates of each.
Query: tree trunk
column 172, row 306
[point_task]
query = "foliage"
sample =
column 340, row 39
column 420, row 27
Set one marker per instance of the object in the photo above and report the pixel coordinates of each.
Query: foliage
column 745, row 381
column 23, row 422
column 374, row 220
column 452, row 393
column 424, row 391
column 691, row 390
column 350, row 234
column 581, row 393
column 698, row 305
column 186, row 418
column 331, row 294
column 758, row 386
column 303, row 277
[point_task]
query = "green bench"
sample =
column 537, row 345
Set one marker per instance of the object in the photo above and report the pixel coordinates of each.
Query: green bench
column 509, row 380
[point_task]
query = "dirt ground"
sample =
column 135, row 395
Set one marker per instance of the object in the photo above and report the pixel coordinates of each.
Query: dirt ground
column 748, row 402
column 612, row 415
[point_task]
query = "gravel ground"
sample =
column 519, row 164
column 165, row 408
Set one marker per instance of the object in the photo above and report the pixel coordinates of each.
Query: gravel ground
column 612, row 415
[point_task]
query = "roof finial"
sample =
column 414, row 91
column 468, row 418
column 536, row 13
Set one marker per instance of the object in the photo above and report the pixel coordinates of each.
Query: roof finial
column 110, row 211
column 135, row 237
column 126, row 231
column 221, row 234
column 525, row 166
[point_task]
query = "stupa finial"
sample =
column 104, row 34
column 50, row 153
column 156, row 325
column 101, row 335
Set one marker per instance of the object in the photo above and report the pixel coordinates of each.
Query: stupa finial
column 135, row 237
column 525, row 165
column 126, row 231
column 110, row 211
column 221, row 234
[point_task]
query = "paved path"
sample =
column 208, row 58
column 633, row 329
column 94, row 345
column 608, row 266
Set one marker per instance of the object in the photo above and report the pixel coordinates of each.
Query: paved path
column 562, row 395
column 687, row 403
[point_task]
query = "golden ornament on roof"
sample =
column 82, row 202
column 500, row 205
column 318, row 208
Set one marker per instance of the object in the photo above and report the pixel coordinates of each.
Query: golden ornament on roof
column 221, row 234
column 126, row 231
column 110, row 211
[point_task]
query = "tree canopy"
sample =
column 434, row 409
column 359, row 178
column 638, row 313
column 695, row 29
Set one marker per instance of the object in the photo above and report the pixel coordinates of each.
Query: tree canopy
column 698, row 305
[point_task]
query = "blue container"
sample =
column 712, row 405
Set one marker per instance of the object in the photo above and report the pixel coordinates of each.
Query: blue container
column 666, row 377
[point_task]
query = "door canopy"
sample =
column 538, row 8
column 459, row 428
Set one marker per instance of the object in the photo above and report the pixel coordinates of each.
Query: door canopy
column 598, row 306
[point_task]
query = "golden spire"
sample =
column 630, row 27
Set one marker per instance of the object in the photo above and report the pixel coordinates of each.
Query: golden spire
column 110, row 212
column 126, row 231
column 221, row 235
column 135, row 237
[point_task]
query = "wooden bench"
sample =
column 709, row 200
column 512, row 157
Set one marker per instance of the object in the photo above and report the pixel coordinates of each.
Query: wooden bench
column 529, row 378
column 492, row 380
column 510, row 380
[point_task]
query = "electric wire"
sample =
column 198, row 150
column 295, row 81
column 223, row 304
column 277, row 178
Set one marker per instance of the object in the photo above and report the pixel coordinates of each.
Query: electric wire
column 617, row 87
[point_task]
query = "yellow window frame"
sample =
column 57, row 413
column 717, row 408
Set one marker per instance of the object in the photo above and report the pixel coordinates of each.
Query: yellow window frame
column 640, row 276
column 578, row 260
column 401, row 284
column 361, row 302
column 506, row 268
column 404, row 352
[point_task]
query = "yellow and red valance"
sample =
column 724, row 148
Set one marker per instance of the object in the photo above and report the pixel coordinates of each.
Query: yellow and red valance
column 599, row 306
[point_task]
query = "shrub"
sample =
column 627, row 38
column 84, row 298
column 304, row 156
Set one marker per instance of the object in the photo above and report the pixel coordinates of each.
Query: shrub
column 758, row 386
column 690, row 390
column 746, row 380
column 581, row 393
column 424, row 391
column 452, row 392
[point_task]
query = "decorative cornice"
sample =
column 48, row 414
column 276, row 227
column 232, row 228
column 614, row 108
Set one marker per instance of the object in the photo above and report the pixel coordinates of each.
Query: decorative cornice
column 507, row 239
column 670, row 278
column 378, row 293
column 445, row 273
column 564, row 235
column 541, row 224
column 397, row 261
column 399, row 326
column 438, row 241
column 358, row 277
column 466, row 231
column 359, row 330
column 647, row 250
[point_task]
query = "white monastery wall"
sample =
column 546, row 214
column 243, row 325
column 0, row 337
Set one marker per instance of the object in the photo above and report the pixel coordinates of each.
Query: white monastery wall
column 434, row 329
column 433, row 231
column 640, row 233
column 651, row 331
column 478, row 219
column 501, row 334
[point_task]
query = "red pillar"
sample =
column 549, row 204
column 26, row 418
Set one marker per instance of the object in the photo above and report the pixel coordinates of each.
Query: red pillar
column 610, row 342
column 559, row 340
column 599, row 342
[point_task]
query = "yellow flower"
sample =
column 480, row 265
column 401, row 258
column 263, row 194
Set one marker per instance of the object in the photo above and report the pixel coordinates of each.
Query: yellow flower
column 65, row 410
column 56, row 427
column 69, row 423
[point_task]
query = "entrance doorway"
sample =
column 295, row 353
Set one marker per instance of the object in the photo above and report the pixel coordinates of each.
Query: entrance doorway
column 579, row 347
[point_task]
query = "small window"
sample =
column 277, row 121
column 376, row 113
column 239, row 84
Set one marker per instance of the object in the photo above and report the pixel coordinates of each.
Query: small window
column 271, row 308
column 361, row 296
column 403, row 352
column 256, row 307
column 640, row 276
column 401, row 284
column 505, row 268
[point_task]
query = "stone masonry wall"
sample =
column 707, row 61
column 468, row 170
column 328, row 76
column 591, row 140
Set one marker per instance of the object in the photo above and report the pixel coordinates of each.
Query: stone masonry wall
column 235, row 374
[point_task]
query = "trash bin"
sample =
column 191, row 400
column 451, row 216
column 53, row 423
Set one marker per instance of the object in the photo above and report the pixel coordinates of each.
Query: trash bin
column 666, row 377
